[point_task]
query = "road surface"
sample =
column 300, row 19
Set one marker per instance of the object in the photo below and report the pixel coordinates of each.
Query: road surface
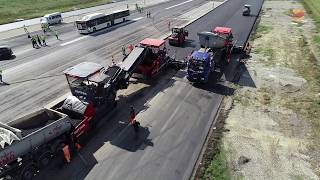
column 175, row 116
column 35, row 75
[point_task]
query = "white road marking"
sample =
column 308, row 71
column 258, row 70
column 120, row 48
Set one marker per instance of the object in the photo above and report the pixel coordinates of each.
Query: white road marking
column 178, row 4
column 75, row 40
column 137, row 19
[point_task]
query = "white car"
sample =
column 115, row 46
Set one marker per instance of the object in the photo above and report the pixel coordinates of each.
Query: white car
column 54, row 18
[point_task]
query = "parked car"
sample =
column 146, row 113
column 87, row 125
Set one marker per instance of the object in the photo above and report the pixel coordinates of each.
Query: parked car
column 5, row 52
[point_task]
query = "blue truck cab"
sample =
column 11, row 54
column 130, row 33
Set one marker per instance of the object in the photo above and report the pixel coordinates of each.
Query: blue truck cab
column 199, row 66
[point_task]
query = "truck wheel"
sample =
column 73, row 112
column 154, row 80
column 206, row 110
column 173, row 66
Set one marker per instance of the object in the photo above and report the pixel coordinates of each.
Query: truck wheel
column 27, row 172
column 44, row 159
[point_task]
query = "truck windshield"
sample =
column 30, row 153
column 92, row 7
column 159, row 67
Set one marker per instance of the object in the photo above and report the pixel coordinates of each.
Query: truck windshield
column 196, row 65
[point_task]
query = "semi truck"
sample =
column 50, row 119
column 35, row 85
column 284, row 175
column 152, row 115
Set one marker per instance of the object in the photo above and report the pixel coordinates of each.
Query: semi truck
column 215, row 52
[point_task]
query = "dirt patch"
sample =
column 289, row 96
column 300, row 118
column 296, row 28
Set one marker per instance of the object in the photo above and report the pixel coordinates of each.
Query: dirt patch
column 274, row 126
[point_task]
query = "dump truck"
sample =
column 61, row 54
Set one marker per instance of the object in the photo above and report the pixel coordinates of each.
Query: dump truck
column 215, row 52
column 178, row 36
column 28, row 143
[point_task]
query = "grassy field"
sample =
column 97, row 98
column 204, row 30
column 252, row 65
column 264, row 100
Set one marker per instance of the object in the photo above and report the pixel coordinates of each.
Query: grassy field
column 10, row 10
column 313, row 7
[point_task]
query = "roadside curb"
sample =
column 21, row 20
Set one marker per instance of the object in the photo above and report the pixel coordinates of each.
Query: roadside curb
column 205, row 144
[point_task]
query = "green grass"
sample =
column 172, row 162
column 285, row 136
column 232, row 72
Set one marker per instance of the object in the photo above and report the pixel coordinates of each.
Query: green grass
column 316, row 39
column 218, row 168
column 263, row 29
column 313, row 8
column 10, row 10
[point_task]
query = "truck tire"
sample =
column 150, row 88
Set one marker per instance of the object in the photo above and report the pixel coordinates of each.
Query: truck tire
column 44, row 159
column 27, row 172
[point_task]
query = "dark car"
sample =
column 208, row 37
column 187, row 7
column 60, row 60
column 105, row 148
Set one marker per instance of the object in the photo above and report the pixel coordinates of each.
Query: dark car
column 5, row 52
column 246, row 10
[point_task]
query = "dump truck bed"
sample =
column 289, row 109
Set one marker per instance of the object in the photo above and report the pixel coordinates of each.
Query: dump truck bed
column 34, row 121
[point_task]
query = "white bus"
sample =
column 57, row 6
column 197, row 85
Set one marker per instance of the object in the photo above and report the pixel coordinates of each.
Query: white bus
column 96, row 21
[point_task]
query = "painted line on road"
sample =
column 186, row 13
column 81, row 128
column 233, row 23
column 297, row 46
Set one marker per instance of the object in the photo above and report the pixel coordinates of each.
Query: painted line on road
column 73, row 41
column 137, row 19
column 178, row 4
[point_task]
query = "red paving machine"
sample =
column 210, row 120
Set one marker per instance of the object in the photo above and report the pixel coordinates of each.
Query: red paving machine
column 178, row 36
column 155, row 57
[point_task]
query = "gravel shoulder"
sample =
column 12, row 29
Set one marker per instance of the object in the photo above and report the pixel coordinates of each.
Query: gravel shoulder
column 273, row 124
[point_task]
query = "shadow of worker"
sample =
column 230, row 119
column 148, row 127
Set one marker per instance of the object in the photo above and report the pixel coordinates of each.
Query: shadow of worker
column 132, row 141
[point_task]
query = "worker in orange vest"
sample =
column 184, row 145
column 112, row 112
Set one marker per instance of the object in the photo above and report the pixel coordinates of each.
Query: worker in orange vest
column 135, row 124
column 130, row 47
column 66, row 153
column 78, row 147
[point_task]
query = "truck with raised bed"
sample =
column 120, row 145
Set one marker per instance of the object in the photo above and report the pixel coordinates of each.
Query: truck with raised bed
column 215, row 51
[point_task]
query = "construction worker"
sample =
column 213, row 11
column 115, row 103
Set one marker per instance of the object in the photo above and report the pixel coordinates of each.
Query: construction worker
column 130, row 47
column 78, row 147
column 112, row 60
column 1, row 76
column 44, row 40
column 56, row 34
column 124, row 51
column 132, row 120
column 66, row 153
column 39, row 40
column 34, row 42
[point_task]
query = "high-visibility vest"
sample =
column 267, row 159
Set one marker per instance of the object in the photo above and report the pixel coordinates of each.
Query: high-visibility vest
column 78, row 147
column 66, row 153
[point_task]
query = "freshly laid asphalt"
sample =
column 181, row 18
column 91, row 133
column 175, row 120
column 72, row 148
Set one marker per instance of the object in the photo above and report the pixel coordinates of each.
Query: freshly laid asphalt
column 175, row 115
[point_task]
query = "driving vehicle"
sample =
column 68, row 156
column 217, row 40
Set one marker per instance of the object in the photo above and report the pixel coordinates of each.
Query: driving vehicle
column 96, row 21
column 5, row 52
column 178, row 36
column 246, row 11
column 53, row 18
